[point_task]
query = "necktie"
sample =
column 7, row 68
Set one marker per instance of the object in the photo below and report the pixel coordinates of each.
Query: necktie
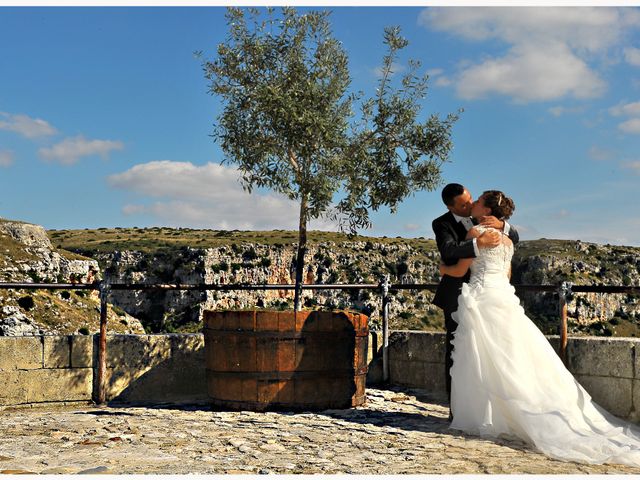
column 467, row 222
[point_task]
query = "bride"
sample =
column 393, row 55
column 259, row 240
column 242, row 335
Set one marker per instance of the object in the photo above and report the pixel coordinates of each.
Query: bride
column 506, row 378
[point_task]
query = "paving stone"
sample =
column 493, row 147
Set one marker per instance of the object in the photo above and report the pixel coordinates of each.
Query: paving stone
column 395, row 432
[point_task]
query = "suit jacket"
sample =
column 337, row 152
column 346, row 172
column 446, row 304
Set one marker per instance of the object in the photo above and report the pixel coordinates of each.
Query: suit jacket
column 452, row 244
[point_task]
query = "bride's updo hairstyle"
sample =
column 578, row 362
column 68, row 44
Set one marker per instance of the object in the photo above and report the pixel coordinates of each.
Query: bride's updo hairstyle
column 501, row 206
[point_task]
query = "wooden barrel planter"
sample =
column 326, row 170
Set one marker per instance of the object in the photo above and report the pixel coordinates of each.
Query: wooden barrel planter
column 275, row 360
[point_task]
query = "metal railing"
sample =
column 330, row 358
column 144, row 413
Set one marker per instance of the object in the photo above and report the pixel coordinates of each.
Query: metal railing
column 565, row 291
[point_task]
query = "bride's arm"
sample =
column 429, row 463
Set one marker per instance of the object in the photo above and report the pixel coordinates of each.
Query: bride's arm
column 462, row 266
column 457, row 270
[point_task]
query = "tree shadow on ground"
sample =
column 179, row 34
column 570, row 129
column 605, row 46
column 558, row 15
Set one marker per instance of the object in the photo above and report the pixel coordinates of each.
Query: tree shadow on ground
column 105, row 413
column 418, row 422
column 426, row 420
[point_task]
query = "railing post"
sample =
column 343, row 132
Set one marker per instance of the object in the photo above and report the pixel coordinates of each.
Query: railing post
column 564, row 296
column 102, row 344
column 384, row 287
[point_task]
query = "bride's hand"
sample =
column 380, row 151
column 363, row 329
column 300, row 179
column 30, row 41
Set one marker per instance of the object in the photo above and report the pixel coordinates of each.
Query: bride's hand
column 491, row 221
column 489, row 239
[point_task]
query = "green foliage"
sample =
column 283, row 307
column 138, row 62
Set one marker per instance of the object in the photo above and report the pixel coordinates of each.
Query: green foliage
column 235, row 267
column 27, row 302
column 35, row 276
column 283, row 82
column 402, row 268
column 287, row 120
column 286, row 123
column 250, row 254
column 391, row 152
column 265, row 262
column 220, row 267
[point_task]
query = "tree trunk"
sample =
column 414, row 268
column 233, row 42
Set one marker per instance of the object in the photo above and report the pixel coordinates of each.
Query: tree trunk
column 302, row 249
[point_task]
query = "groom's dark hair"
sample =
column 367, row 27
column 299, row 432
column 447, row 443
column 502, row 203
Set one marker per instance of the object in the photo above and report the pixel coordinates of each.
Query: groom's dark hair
column 450, row 192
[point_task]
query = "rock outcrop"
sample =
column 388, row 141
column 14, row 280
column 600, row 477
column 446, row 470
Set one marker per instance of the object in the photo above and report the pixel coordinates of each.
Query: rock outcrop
column 536, row 262
column 27, row 256
column 40, row 261
column 328, row 262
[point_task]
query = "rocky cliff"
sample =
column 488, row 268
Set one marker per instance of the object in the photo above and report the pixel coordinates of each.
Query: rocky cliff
column 162, row 255
column 347, row 262
column 244, row 257
column 27, row 256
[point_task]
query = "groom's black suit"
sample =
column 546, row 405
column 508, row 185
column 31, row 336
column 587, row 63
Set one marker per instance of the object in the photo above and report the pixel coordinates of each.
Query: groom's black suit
column 452, row 244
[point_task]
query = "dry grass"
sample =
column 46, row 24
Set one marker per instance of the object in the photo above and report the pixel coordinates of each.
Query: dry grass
column 161, row 238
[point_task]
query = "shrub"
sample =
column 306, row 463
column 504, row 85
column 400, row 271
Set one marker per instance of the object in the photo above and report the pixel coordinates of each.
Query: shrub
column 26, row 302
column 35, row 277
column 250, row 254
column 83, row 331
column 220, row 267
column 402, row 268
column 265, row 262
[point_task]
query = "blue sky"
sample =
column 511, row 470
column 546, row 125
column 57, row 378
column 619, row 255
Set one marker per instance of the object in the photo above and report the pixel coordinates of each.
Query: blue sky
column 105, row 116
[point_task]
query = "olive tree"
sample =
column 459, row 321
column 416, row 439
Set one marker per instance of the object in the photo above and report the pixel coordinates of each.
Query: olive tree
column 288, row 121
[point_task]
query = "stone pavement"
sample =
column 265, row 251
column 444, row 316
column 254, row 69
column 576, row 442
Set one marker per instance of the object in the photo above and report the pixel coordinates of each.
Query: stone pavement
column 396, row 432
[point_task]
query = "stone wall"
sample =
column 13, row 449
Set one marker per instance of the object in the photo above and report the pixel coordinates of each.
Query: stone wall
column 608, row 368
column 140, row 368
column 171, row 368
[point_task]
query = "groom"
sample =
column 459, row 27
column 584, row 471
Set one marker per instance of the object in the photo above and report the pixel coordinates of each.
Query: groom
column 451, row 231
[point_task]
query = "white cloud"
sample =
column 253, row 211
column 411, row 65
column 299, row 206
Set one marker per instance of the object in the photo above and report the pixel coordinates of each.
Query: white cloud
column 207, row 196
column 633, row 166
column 395, row 69
column 561, row 214
column 628, row 109
column 630, row 126
column 600, row 154
column 546, row 50
column 443, row 81
column 412, row 227
column 6, row 158
column 590, row 28
column 436, row 76
column 70, row 150
column 560, row 110
column 632, row 56
column 529, row 73
column 133, row 209
column 26, row 126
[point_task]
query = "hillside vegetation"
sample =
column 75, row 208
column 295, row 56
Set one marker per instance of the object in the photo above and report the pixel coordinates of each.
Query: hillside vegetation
column 261, row 256
column 104, row 240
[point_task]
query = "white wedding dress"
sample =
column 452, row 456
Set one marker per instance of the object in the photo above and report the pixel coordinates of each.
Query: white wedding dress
column 507, row 380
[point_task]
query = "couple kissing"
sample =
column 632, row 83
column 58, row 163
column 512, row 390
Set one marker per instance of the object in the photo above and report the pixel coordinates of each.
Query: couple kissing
column 503, row 377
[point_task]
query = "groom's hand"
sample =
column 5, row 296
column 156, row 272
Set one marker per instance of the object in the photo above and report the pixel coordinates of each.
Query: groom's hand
column 489, row 239
column 491, row 221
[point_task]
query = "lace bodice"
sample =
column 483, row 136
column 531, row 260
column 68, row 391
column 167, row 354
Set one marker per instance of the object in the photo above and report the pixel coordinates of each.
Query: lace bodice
column 491, row 267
